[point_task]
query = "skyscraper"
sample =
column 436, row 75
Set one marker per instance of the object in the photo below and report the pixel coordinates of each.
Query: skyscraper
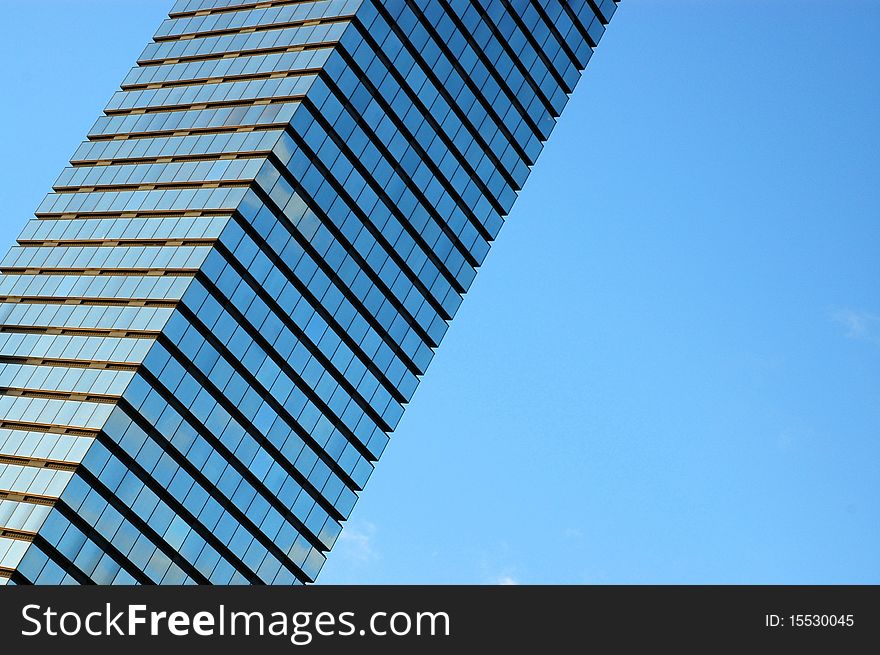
column 216, row 317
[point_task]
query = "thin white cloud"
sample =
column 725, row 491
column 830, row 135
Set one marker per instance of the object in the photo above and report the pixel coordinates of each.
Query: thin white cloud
column 506, row 580
column 858, row 325
column 356, row 542
column 498, row 565
column 573, row 533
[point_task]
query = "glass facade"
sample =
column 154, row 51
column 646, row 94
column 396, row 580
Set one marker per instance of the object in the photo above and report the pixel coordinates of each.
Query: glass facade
column 215, row 319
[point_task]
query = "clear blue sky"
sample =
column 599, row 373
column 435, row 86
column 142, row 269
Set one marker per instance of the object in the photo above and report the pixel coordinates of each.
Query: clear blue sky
column 668, row 370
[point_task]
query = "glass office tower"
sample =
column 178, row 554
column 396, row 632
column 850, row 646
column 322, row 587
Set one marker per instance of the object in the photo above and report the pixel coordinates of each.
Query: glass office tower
column 216, row 317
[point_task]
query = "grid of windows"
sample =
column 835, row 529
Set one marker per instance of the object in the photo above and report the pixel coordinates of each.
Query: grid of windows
column 215, row 319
